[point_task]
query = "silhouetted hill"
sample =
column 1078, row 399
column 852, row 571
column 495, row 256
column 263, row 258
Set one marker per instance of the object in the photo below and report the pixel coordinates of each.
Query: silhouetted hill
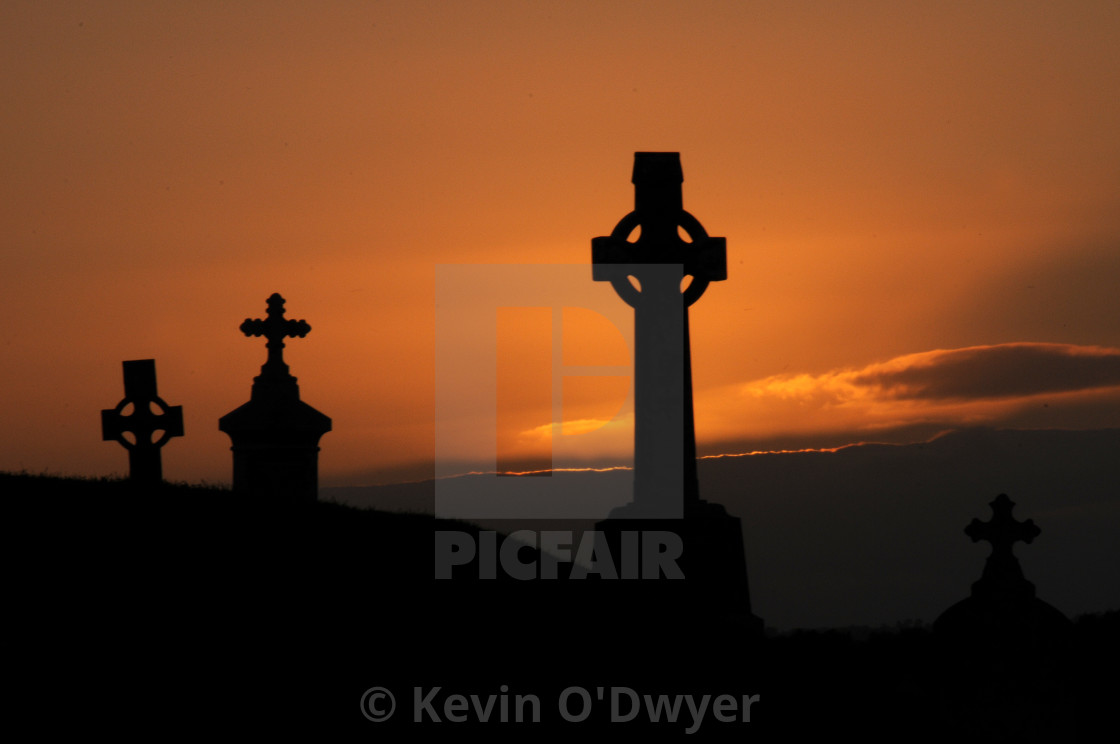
column 178, row 607
column 873, row 533
column 185, row 609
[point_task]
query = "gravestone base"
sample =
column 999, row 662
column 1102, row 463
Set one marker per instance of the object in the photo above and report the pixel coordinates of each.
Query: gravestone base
column 276, row 473
column 276, row 449
column 1004, row 626
column 1005, row 666
column 714, row 590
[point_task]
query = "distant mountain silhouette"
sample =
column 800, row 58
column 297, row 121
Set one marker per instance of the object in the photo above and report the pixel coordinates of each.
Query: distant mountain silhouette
column 872, row 533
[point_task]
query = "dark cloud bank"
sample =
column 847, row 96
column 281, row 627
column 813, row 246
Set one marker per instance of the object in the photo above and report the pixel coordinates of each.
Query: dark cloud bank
column 993, row 372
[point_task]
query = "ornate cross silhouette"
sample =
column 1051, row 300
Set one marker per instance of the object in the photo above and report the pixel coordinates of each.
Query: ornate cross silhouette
column 658, row 212
column 647, row 274
column 1002, row 571
column 275, row 328
column 144, row 461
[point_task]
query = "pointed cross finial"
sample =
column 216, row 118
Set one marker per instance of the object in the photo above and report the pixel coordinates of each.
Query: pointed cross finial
column 1002, row 531
column 275, row 328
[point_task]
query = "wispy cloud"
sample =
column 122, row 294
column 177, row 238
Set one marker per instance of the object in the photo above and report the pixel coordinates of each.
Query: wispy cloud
column 1013, row 385
column 974, row 373
column 1027, row 385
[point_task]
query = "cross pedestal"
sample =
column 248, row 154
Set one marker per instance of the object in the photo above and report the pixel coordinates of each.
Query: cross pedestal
column 648, row 262
column 144, row 463
column 275, row 435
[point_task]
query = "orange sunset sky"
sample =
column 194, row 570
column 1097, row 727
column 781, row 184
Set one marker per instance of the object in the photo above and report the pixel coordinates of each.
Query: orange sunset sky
column 921, row 203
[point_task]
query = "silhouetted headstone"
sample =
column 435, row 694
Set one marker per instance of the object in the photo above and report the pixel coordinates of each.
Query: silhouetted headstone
column 144, row 463
column 1006, row 654
column 648, row 274
column 275, row 435
column 1002, row 599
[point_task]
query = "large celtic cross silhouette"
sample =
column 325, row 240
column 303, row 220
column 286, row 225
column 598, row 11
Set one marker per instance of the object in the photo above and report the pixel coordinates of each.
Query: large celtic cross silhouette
column 649, row 273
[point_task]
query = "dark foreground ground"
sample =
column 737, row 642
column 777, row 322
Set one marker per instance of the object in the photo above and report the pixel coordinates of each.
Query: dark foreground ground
column 141, row 614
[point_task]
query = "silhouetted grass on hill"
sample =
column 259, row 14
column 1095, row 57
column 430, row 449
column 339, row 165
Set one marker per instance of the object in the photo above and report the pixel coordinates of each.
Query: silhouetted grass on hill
column 190, row 593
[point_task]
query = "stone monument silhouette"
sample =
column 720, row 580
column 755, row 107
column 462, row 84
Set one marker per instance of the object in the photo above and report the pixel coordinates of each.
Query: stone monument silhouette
column 1002, row 601
column 1005, row 654
column 275, row 435
column 648, row 274
column 144, row 462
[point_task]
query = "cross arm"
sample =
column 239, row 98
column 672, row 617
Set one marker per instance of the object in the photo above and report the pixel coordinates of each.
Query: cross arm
column 275, row 328
column 142, row 422
column 708, row 260
column 609, row 257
